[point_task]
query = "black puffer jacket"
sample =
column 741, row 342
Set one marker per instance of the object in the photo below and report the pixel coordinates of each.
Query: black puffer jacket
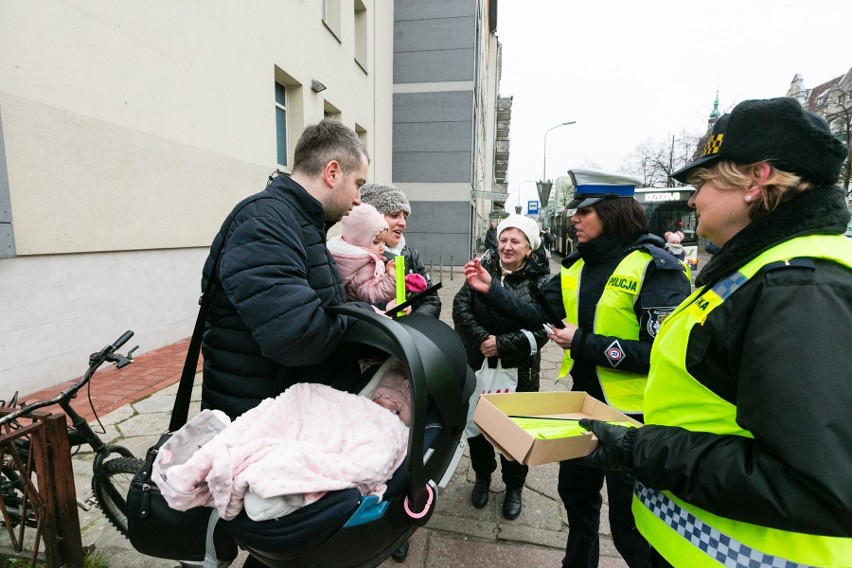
column 267, row 327
column 474, row 321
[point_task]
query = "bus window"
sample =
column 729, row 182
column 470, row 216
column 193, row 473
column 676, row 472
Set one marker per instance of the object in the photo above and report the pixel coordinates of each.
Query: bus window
column 666, row 210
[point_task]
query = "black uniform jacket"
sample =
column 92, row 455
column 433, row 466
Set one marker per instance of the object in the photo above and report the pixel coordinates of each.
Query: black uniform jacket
column 779, row 349
column 664, row 287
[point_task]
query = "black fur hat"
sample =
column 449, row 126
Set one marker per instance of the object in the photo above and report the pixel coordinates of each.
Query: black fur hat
column 778, row 131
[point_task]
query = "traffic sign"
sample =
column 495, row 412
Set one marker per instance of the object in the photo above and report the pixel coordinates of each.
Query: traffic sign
column 532, row 207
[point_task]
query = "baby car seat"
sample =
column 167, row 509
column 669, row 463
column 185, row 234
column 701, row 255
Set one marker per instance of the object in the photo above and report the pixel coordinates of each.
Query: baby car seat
column 344, row 529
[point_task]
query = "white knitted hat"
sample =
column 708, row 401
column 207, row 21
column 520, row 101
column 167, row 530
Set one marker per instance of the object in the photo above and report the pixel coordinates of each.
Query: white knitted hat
column 526, row 225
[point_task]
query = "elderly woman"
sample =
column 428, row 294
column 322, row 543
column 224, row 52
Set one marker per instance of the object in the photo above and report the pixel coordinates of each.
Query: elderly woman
column 486, row 334
column 747, row 448
column 614, row 291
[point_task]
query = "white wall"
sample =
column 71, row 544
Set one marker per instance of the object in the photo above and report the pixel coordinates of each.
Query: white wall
column 58, row 309
column 130, row 129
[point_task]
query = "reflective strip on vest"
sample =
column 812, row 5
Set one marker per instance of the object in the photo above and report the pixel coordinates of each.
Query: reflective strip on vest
column 709, row 542
column 614, row 316
column 684, row 534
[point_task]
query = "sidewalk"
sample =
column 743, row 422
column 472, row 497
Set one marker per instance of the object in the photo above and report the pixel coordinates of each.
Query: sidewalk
column 135, row 403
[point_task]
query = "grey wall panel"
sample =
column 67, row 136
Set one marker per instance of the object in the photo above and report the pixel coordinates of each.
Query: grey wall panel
column 441, row 106
column 438, row 230
column 430, row 35
column 433, row 66
column 7, row 235
column 432, row 137
column 436, row 167
column 420, row 10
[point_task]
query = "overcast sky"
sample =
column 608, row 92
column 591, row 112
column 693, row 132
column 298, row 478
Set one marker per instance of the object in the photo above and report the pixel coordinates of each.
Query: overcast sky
column 629, row 71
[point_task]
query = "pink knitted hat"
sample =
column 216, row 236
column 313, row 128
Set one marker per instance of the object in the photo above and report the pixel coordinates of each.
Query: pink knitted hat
column 362, row 225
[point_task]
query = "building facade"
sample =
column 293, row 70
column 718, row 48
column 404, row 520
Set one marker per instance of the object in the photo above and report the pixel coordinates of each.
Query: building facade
column 129, row 130
column 831, row 100
column 445, row 78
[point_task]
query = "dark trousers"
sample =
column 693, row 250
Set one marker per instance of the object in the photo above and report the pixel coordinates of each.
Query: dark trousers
column 580, row 490
column 483, row 461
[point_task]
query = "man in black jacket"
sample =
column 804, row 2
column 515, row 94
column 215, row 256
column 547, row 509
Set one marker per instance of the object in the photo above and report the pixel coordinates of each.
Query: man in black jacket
column 267, row 326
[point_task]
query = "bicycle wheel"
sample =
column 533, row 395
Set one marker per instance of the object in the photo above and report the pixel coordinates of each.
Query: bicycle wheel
column 12, row 493
column 110, row 487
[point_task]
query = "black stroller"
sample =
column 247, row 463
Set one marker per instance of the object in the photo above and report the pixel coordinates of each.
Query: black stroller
column 344, row 529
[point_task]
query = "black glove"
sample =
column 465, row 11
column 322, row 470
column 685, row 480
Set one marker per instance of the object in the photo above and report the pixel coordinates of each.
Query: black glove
column 615, row 446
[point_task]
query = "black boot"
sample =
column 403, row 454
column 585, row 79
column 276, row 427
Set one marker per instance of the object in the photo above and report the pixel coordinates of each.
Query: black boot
column 479, row 495
column 401, row 552
column 512, row 503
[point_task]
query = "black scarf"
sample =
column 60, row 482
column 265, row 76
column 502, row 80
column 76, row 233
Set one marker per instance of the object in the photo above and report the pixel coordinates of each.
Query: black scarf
column 603, row 249
column 818, row 211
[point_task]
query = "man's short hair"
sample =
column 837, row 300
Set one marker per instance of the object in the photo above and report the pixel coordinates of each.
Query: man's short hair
column 328, row 140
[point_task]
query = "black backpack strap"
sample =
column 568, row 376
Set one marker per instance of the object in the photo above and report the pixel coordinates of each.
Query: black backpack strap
column 180, row 410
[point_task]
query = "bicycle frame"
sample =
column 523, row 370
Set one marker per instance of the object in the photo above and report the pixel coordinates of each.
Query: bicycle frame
column 109, row 475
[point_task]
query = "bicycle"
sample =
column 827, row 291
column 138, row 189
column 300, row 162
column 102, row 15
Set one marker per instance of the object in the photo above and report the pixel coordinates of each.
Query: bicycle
column 113, row 466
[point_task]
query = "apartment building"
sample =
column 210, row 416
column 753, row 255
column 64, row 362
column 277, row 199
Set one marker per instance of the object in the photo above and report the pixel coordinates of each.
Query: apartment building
column 833, row 101
column 129, row 130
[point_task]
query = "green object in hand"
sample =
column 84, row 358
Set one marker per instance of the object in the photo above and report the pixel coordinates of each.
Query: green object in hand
column 550, row 428
column 399, row 267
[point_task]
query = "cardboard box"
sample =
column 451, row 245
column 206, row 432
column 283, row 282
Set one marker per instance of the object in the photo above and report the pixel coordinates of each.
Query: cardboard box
column 492, row 416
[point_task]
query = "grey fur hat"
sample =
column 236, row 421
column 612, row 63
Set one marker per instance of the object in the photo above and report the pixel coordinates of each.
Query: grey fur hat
column 388, row 199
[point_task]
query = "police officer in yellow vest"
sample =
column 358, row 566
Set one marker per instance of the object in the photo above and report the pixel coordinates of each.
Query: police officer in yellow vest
column 746, row 454
column 614, row 293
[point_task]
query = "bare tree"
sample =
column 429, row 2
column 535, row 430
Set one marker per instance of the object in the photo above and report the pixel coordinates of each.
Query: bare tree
column 563, row 192
column 654, row 161
column 841, row 124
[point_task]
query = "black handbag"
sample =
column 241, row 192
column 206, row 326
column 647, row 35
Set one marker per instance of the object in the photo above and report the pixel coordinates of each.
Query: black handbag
column 154, row 528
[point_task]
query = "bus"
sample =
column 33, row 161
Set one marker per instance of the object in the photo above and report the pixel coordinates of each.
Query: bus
column 665, row 209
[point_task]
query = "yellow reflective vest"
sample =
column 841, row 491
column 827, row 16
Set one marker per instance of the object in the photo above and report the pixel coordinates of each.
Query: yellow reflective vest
column 614, row 316
column 687, row 535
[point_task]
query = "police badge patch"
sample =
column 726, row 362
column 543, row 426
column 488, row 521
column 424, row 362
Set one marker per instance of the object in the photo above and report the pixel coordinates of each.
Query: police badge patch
column 652, row 319
column 614, row 353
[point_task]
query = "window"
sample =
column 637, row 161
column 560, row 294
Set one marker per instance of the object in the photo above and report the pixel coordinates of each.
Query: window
column 362, row 134
column 361, row 34
column 331, row 16
column 330, row 111
column 281, row 123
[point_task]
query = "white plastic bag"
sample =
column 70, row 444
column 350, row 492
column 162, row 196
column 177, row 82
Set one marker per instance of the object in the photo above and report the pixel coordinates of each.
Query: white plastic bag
column 489, row 381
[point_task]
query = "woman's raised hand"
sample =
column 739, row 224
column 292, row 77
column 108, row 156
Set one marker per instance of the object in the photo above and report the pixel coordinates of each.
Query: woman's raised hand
column 477, row 277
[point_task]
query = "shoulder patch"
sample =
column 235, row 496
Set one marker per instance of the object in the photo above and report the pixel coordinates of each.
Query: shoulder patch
column 790, row 263
column 652, row 319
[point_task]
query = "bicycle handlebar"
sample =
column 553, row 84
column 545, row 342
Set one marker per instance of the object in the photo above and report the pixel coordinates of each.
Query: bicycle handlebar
column 108, row 353
column 121, row 340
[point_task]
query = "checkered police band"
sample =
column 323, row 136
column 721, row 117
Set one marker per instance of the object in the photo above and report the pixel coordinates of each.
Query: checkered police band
column 713, row 145
column 724, row 549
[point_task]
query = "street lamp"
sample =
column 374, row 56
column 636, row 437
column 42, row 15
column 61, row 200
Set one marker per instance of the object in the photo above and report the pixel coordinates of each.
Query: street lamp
column 518, row 207
column 546, row 132
column 545, row 185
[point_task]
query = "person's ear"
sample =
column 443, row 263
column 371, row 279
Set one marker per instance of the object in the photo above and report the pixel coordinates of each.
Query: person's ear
column 759, row 175
column 331, row 172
